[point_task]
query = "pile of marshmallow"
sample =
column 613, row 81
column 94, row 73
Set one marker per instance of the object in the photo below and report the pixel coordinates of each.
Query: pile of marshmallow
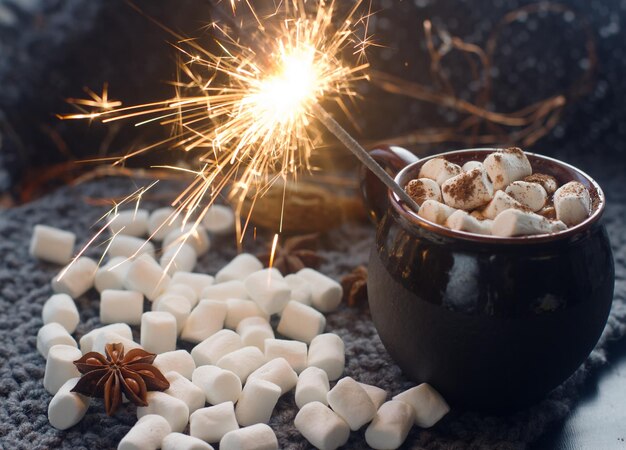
column 238, row 366
column 499, row 196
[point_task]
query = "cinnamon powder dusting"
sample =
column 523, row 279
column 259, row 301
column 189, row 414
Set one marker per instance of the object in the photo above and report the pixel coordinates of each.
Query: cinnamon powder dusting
column 463, row 188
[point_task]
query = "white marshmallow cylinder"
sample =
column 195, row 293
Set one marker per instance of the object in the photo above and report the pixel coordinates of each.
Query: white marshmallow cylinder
column 121, row 306
column 350, row 401
column 52, row 244
column 428, row 405
column 327, row 351
column 225, row 290
column 209, row 351
column 254, row 437
column 179, row 361
column 548, row 182
column 301, row 322
column 572, row 203
column 60, row 367
column 158, row 332
column 162, row 221
column 76, row 278
column 471, row 165
column 532, row 195
column 219, row 220
column 242, row 362
column 326, row 293
column 323, row 428
column 182, row 290
column 501, row 201
column 462, row 221
column 423, row 189
column 175, row 411
column 313, row 386
column 112, row 274
column 190, row 234
column 183, row 389
column 212, row 423
column 238, row 309
column 506, row 166
column 178, row 258
column 88, row 340
column 178, row 306
column 218, row 385
column 60, row 308
column 257, row 402
column 468, row 190
column 295, row 352
column 239, row 268
column 513, row 222
column 196, row 281
column 300, row 289
column 67, row 408
column 390, row 426
column 130, row 222
column 147, row 434
column 146, row 276
column 439, row 169
column 53, row 334
column 110, row 337
column 277, row 371
column 129, row 247
column 435, row 212
column 204, row 321
column 180, row 441
column 377, row 395
column 268, row 289
column 254, row 331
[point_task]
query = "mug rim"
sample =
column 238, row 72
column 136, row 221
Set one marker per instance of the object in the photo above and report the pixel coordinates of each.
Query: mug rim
column 490, row 239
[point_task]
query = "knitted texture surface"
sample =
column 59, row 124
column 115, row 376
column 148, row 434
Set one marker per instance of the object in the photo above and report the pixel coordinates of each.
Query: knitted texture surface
column 25, row 286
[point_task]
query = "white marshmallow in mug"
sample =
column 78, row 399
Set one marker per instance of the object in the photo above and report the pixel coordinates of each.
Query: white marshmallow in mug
column 295, row 352
column 162, row 221
column 177, row 305
column 147, row 434
column 531, row 195
column 178, row 257
column 174, row 410
column 183, row 291
column 462, row 221
column 513, row 222
column 67, row 408
column 158, row 332
column 183, row 389
column 470, row 165
column 242, row 362
column 88, row 340
column 206, row 319
column 146, row 276
column 129, row 247
column 254, row 437
column 377, row 395
column 277, row 371
column 350, row 401
column 50, row 335
column 218, row 385
column 211, row 423
column 225, row 290
column 180, row 441
column 60, row 366
column 112, row 274
column 435, row 211
column 190, row 234
column 239, row 268
column 300, row 288
column 327, row 351
column 572, row 203
column 440, row 170
column 130, row 222
column 468, row 190
column 506, row 166
column 76, row 278
column 52, row 244
column 175, row 361
column 312, row 386
column 257, row 402
column 195, row 281
column 548, row 182
column 214, row 347
column 219, row 220
column 326, row 293
column 121, row 306
column 239, row 309
column 428, row 405
column 423, row 189
column 301, row 322
column 322, row 427
column 254, row 331
column 390, row 426
column 268, row 289
column 61, row 308
column 500, row 202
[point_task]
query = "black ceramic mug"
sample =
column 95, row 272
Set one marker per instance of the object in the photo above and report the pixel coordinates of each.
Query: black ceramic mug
column 492, row 323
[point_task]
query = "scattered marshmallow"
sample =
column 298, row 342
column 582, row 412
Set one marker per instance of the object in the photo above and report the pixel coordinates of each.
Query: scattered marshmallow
column 109, row 337
column 254, row 437
column 462, row 221
column 212, row 423
column 268, row 289
column 390, row 426
column 239, row 268
column 214, row 347
column 180, row 441
column 294, row 352
column 218, row 385
column 572, row 203
column 440, row 170
column 326, row 293
column 257, row 402
column 219, row 220
column 506, row 166
column 322, row 427
column 313, row 386
column 350, row 401
column 377, row 395
column 423, row 189
column 500, row 202
column 254, row 331
column 435, row 212
column 129, row 247
column 195, row 281
column 205, row 320
column 177, row 305
column 190, row 234
column 88, row 340
column 277, row 371
column 130, row 222
column 52, row 245
column 532, row 195
column 61, row 308
column 112, row 274
column 67, row 408
column 182, row 290
column 50, row 335
column 60, row 366
column 178, row 258
column 147, row 434
column 301, row 322
column 76, row 278
column 225, row 290
column 300, row 288
column 175, row 361
column 162, row 221
column 175, row 411
column 158, row 332
column 242, row 362
column 121, row 306
column 471, row 165
column 327, row 351
column 468, row 190
column 548, row 182
column 146, row 276
column 239, row 309
column 428, row 405
column 183, row 389
column 513, row 222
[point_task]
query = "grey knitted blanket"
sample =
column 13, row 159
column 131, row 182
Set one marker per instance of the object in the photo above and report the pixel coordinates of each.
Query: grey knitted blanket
column 25, row 285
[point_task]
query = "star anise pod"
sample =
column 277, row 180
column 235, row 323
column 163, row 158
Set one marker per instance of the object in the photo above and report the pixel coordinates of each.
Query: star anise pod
column 355, row 286
column 117, row 373
column 296, row 253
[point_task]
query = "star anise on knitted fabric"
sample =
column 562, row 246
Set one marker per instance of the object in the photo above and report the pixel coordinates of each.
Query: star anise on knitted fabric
column 296, row 253
column 117, row 373
column 355, row 286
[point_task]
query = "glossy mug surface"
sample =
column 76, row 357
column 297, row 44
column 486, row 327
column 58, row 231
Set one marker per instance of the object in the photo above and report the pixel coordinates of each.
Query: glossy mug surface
column 492, row 323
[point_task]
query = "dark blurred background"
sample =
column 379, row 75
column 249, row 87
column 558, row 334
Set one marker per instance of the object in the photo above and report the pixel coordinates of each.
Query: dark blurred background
column 547, row 76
